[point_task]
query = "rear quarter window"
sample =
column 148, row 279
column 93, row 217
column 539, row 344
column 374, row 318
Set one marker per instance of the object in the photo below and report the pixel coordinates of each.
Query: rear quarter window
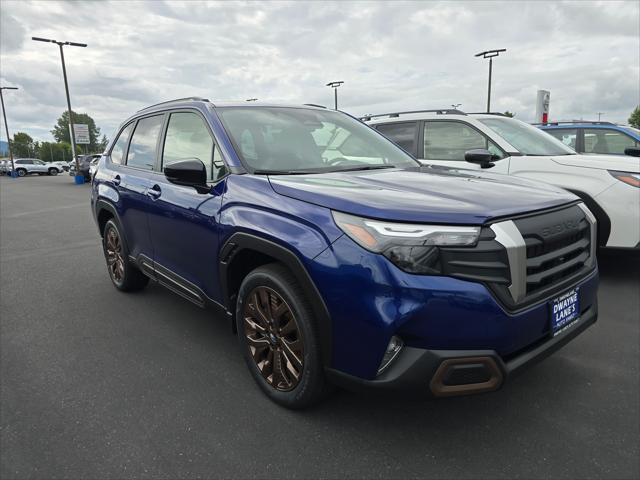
column 119, row 149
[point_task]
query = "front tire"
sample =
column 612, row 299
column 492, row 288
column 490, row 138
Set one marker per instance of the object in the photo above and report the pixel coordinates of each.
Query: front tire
column 278, row 336
column 53, row 172
column 124, row 275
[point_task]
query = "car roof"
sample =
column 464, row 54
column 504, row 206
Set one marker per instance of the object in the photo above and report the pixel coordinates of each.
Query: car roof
column 580, row 124
column 193, row 101
column 583, row 124
column 441, row 113
column 411, row 115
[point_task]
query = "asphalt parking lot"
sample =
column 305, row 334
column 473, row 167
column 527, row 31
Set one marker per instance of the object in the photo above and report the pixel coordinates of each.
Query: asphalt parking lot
column 95, row 383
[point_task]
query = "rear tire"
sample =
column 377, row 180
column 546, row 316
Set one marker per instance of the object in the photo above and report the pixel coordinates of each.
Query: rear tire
column 123, row 273
column 278, row 336
column 53, row 172
column 21, row 172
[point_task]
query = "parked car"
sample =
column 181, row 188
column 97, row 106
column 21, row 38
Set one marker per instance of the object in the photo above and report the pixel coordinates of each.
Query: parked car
column 63, row 165
column 608, row 184
column 594, row 137
column 26, row 166
column 85, row 165
column 5, row 167
column 338, row 257
column 93, row 166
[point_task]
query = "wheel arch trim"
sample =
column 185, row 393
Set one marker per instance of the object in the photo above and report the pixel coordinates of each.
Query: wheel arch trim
column 241, row 241
column 604, row 222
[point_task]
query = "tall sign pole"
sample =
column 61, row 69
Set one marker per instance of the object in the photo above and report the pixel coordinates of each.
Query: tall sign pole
column 542, row 106
column 66, row 89
column 6, row 126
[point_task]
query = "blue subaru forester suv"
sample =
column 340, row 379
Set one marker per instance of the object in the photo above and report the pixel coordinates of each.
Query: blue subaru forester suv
column 337, row 258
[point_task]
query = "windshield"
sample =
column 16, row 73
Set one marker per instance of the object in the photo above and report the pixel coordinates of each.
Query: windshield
column 526, row 138
column 300, row 140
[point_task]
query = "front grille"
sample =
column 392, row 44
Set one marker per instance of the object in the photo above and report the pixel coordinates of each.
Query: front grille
column 558, row 246
column 528, row 259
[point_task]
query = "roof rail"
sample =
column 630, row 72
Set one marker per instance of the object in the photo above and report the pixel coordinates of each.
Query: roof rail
column 570, row 122
column 195, row 99
column 314, row 105
column 441, row 111
column 499, row 114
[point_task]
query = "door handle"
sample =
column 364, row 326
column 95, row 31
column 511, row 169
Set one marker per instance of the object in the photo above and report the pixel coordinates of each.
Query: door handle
column 154, row 192
column 116, row 180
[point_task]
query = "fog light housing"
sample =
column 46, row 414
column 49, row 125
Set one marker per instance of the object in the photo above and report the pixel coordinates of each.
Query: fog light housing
column 392, row 351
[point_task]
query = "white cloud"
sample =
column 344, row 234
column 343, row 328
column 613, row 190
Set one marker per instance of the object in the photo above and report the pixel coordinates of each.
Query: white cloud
column 392, row 56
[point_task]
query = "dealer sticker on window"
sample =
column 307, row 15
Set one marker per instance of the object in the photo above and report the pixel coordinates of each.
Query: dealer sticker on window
column 565, row 311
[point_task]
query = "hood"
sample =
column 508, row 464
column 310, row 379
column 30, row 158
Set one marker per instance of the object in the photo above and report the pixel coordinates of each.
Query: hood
column 425, row 194
column 623, row 163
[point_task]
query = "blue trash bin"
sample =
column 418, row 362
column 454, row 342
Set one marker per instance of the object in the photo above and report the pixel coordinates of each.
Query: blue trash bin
column 79, row 179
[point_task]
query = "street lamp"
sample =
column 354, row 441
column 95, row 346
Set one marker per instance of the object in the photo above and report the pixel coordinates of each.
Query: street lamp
column 490, row 54
column 251, row 100
column 600, row 115
column 335, row 86
column 79, row 178
column 455, row 105
column 4, row 114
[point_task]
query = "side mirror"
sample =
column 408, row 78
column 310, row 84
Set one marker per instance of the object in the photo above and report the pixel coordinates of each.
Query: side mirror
column 482, row 157
column 190, row 172
column 632, row 151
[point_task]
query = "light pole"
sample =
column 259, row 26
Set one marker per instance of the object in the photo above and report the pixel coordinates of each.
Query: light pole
column 600, row 114
column 490, row 54
column 335, row 86
column 79, row 178
column 455, row 105
column 4, row 114
column 251, row 100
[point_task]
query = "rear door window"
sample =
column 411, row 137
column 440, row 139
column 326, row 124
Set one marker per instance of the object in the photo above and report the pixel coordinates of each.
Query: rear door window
column 143, row 147
column 404, row 134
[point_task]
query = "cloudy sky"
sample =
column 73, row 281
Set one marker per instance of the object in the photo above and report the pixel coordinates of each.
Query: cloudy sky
column 391, row 55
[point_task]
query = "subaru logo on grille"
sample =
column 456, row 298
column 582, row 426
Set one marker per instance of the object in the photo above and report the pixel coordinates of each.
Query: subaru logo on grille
column 559, row 228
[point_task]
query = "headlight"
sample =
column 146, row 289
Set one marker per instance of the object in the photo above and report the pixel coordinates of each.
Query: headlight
column 412, row 247
column 629, row 178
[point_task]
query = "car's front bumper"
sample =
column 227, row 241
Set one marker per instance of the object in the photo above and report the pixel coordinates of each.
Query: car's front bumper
column 370, row 300
column 443, row 373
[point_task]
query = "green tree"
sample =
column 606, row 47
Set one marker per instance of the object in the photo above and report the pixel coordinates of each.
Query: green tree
column 61, row 130
column 103, row 144
column 54, row 152
column 22, row 145
column 509, row 114
column 634, row 119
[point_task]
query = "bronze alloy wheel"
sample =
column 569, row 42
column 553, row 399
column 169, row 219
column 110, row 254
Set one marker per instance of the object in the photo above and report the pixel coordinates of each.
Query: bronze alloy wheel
column 115, row 261
column 275, row 342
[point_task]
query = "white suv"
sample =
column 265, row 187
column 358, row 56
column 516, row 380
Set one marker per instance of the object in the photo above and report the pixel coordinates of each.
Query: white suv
column 25, row 166
column 608, row 184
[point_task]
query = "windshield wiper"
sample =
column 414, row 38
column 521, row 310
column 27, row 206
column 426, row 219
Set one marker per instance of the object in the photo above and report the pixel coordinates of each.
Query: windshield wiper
column 284, row 172
column 364, row 167
column 320, row 170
